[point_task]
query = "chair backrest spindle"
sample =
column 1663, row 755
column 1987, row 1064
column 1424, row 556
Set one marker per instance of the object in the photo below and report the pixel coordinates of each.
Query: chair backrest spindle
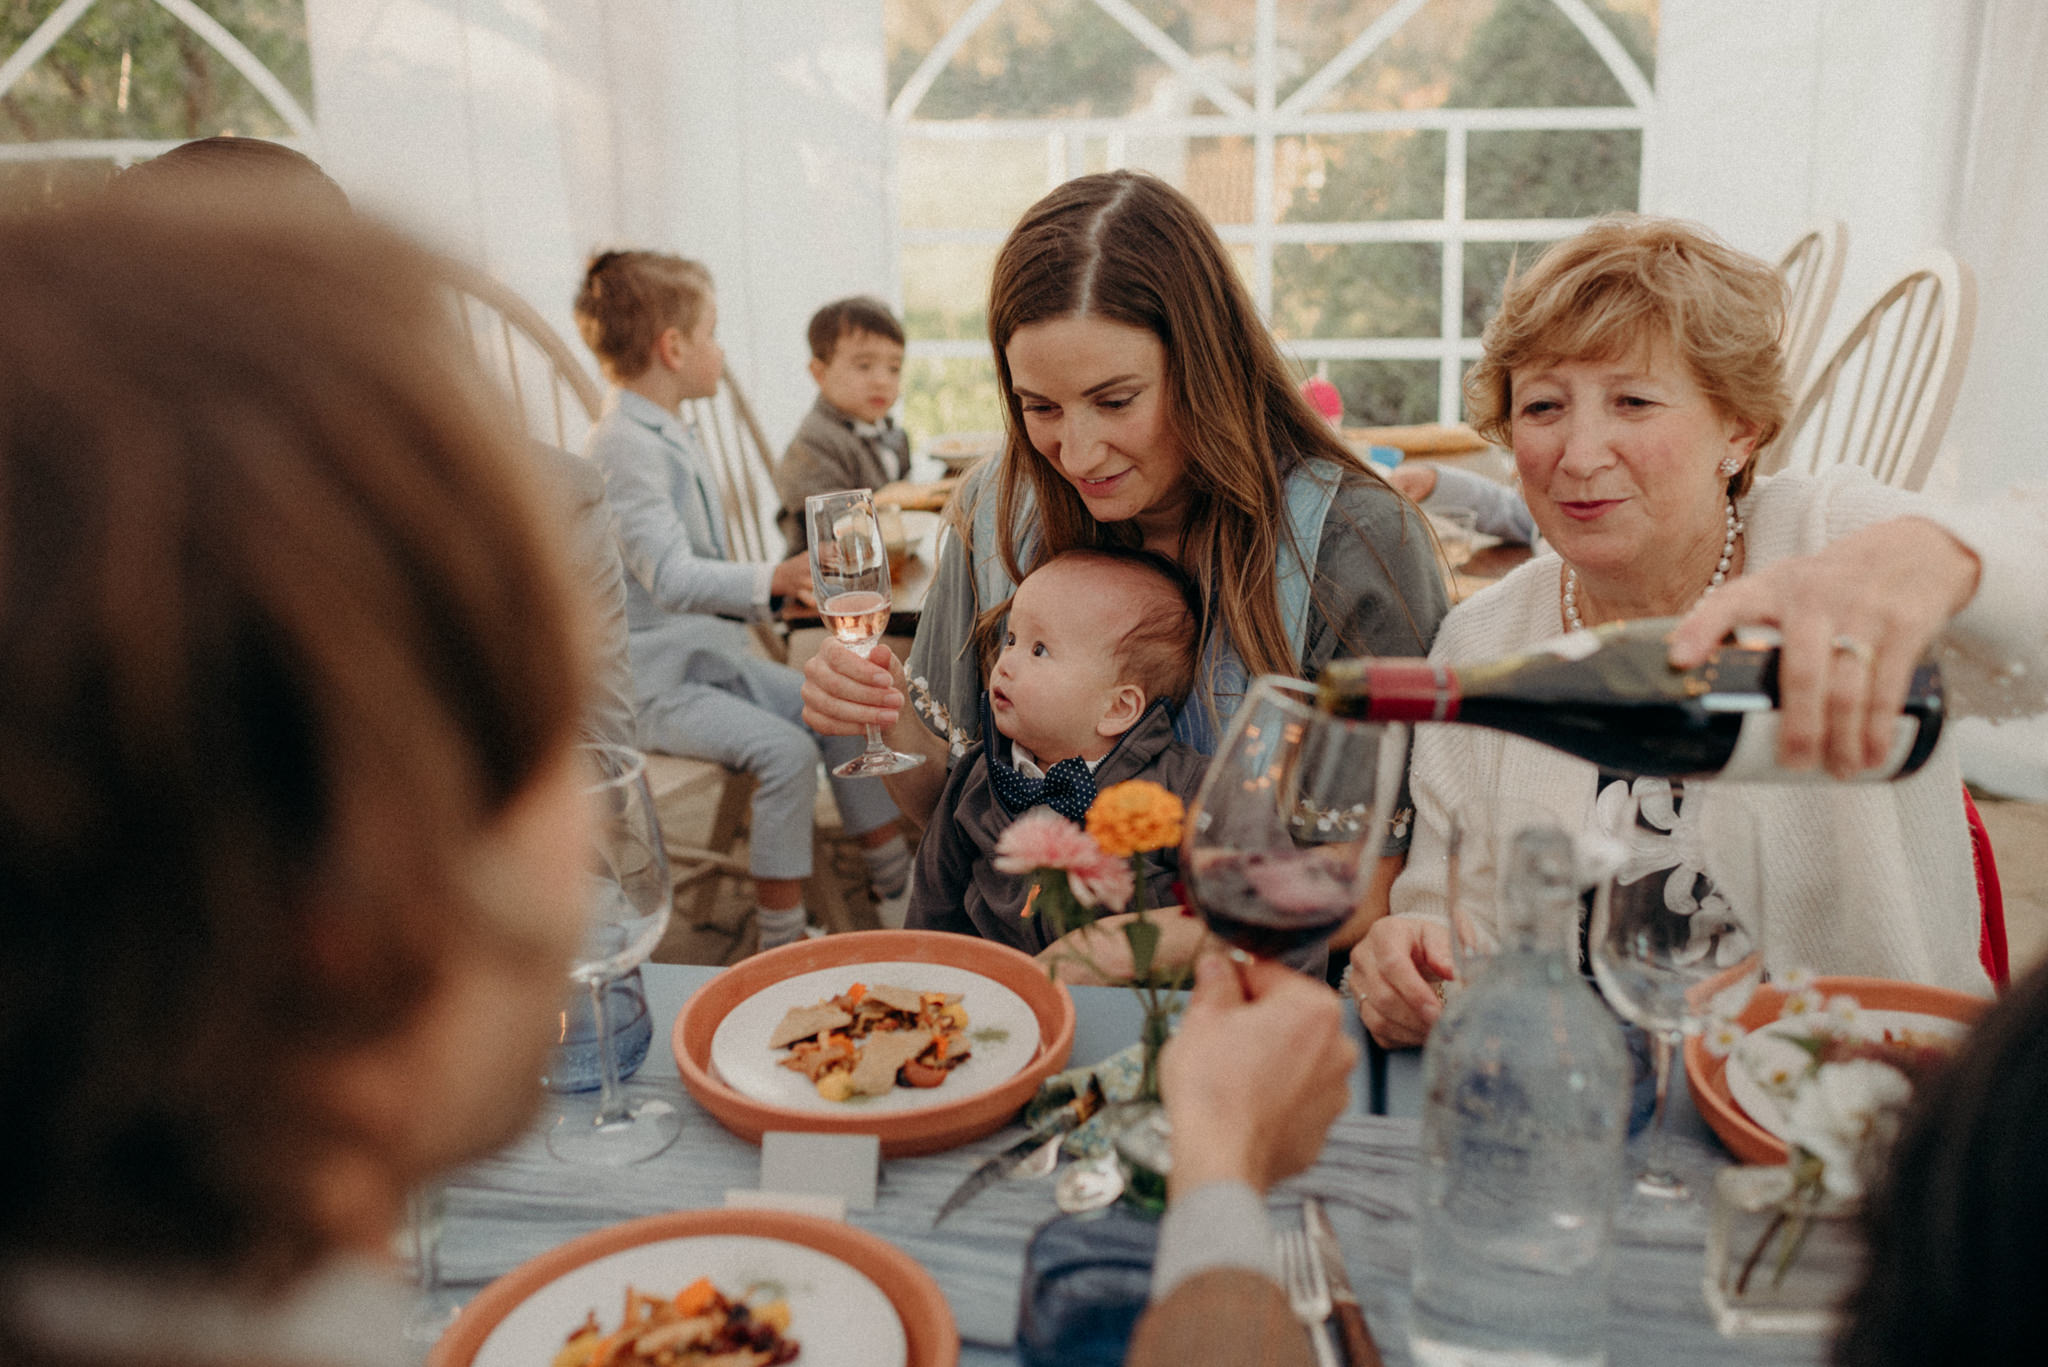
column 1812, row 270
column 525, row 348
column 1883, row 399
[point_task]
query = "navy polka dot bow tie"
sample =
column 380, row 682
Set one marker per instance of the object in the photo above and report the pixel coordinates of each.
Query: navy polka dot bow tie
column 1068, row 788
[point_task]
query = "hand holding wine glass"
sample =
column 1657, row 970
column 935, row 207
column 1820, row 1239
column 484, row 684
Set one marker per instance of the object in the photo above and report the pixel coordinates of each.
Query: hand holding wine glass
column 1286, row 832
column 850, row 570
column 1677, row 930
column 629, row 892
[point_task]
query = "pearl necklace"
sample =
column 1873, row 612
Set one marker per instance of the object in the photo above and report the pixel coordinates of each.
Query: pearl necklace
column 1733, row 528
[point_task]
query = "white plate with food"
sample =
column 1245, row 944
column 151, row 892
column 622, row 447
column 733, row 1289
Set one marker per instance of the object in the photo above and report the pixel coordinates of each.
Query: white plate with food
column 839, row 1296
column 899, row 1005
column 836, row 1316
column 1764, row 1066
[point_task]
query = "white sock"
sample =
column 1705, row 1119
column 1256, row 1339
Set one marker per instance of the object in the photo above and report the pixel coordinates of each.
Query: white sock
column 888, row 867
column 780, row 927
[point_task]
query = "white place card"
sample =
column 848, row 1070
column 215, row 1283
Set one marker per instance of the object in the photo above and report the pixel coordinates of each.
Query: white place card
column 845, row 1166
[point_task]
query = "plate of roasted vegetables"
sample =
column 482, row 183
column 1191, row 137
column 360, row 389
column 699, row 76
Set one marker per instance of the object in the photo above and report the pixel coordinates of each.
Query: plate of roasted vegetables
column 921, row 1038
column 710, row 1289
column 887, row 1036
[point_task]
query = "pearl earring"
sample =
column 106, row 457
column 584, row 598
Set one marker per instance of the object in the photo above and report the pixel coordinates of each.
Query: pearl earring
column 1730, row 466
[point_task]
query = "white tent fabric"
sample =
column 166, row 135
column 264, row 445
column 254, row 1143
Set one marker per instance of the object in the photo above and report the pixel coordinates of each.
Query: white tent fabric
column 523, row 134
column 1918, row 123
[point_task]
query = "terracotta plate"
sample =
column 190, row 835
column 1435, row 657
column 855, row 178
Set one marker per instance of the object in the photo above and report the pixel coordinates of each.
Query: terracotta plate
column 1750, row 1141
column 855, row 1300
column 949, row 1121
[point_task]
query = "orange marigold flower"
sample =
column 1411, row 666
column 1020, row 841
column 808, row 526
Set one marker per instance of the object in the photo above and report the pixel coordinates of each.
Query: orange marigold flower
column 1135, row 816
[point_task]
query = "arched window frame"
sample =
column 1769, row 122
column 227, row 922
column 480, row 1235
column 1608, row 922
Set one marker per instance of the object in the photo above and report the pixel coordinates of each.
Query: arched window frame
column 1267, row 119
column 126, row 151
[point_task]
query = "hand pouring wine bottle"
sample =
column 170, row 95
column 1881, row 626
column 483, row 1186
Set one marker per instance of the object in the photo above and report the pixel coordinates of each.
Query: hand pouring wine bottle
column 1610, row 695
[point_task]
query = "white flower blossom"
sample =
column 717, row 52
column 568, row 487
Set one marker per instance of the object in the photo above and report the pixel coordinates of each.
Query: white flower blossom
column 1845, row 1016
column 1805, row 1004
column 1775, row 1061
column 1833, row 1114
column 1721, row 1037
column 1796, row 980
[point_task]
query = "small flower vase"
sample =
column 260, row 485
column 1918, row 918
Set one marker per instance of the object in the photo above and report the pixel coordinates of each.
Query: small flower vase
column 1778, row 1263
column 1144, row 1156
column 1143, row 1137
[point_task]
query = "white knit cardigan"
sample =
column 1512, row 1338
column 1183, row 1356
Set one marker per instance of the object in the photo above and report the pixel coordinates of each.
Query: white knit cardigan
column 1869, row 878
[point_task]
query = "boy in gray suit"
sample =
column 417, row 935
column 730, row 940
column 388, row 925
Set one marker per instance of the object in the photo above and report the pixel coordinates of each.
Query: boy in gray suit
column 847, row 440
column 701, row 692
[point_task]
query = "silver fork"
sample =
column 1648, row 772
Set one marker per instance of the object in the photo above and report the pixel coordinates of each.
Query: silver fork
column 1308, row 1292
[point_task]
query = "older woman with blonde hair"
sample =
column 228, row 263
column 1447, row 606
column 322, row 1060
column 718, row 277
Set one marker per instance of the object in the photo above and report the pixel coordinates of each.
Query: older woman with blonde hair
column 1635, row 370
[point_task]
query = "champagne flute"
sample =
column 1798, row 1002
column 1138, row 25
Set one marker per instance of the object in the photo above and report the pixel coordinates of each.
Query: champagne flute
column 1677, row 930
column 1286, row 831
column 627, row 877
column 850, row 569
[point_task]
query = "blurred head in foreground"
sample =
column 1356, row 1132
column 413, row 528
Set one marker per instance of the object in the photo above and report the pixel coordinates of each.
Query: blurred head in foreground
column 287, row 698
column 206, row 169
column 1958, row 1228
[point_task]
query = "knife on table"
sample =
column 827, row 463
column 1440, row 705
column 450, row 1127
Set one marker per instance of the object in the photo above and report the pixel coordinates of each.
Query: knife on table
column 1352, row 1335
column 1048, row 1131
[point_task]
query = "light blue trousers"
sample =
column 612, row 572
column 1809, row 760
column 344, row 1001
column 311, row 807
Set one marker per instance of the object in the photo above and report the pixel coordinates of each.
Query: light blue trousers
column 752, row 722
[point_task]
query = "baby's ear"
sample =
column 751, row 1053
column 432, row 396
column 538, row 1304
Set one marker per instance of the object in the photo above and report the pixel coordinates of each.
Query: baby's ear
column 817, row 371
column 1126, row 705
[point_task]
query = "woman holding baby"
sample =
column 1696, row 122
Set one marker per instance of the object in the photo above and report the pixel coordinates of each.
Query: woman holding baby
column 1148, row 408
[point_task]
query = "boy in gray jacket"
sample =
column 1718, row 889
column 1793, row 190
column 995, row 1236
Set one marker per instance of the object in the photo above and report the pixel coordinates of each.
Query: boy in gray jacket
column 847, row 440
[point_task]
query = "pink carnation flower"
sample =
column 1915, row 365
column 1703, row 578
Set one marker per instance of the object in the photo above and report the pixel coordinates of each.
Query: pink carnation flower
column 1043, row 839
column 1107, row 883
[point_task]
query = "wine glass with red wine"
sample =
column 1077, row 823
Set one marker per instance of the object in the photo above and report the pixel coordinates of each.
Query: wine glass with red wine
column 850, row 571
column 1290, row 821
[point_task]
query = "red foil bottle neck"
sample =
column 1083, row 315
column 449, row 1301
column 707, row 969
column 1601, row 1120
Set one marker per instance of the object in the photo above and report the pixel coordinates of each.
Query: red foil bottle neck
column 1411, row 690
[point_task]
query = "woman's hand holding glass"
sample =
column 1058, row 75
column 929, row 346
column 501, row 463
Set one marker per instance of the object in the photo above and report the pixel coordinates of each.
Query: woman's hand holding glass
column 1257, row 1072
column 847, row 691
column 850, row 567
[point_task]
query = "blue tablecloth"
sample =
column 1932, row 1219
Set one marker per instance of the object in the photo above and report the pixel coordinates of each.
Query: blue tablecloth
column 522, row 1202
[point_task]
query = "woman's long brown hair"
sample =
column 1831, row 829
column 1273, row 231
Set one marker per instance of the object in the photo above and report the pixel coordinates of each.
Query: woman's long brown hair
column 1130, row 248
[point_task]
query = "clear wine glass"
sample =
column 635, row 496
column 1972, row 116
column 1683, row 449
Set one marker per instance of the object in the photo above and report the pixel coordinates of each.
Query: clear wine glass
column 418, row 1246
column 1288, row 826
column 629, row 894
column 1677, row 929
column 850, row 570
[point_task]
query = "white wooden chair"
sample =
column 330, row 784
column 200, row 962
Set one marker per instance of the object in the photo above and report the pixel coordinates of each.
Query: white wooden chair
column 1812, row 270
column 558, row 402
column 557, row 399
column 726, row 426
column 1883, row 399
